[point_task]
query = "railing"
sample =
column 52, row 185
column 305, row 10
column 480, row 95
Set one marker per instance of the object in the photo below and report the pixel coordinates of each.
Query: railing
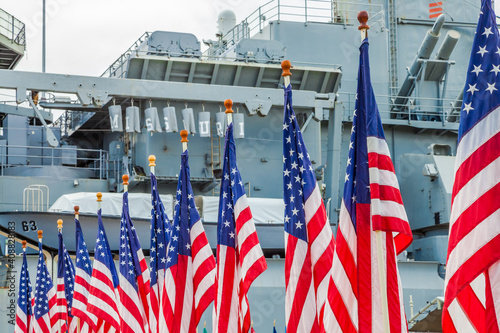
column 90, row 159
column 12, row 28
column 34, row 198
column 118, row 68
column 307, row 11
column 422, row 108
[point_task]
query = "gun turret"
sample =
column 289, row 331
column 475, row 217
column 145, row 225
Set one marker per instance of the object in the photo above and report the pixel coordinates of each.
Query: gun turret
column 424, row 52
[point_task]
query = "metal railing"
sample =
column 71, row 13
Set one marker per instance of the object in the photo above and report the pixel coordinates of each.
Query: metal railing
column 418, row 109
column 12, row 28
column 307, row 11
column 33, row 198
column 118, row 68
column 90, row 159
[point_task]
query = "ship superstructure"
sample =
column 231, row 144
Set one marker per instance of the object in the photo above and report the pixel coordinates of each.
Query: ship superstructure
column 419, row 53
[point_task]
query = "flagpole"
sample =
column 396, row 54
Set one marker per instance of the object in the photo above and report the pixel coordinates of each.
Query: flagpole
column 59, row 228
column 285, row 66
column 152, row 163
column 184, row 140
column 77, row 217
column 99, row 200
column 363, row 28
column 125, row 183
column 229, row 111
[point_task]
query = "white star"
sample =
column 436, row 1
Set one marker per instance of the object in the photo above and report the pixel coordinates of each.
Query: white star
column 292, row 198
column 468, row 107
column 295, row 211
column 351, row 145
column 188, row 246
column 477, row 70
column 353, row 198
column 301, row 156
column 190, row 196
column 346, row 177
column 226, row 177
column 285, row 126
column 487, row 32
column 231, row 234
column 294, row 165
column 179, row 192
column 298, row 225
column 224, row 195
column 291, row 152
column 286, row 173
column 498, row 51
column 287, row 219
column 289, row 139
column 297, row 179
column 289, row 186
column 302, row 169
column 284, row 158
column 496, row 69
column 233, row 171
column 491, row 88
column 472, row 89
column 349, row 161
column 482, row 51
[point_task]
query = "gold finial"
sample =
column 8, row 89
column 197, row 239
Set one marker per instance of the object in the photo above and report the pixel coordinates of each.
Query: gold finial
column 125, row 179
column 228, row 103
column 77, row 210
column 285, row 66
column 99, row 196
column 274, row 324
column 40, row 234
column 152, row 160
column 184, row 135
column 24, row 244
column 251, row 325
column 363, row 18
column 205, row 324
column 59, row 224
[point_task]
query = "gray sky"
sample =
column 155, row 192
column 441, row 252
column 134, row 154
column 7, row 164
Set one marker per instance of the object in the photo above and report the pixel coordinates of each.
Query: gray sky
column 86, row 36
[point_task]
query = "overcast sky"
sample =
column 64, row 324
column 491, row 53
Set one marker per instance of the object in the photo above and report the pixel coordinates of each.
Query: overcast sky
column 86, row 36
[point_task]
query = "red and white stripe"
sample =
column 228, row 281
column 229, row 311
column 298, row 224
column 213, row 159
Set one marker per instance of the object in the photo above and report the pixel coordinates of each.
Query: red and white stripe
column 308, row 274
column 157, row 321
column 190, row 284
column 24, row 324
column 47, row 323
column 80, row 298
column 61, row 309
column 472, row 284
column 236, row 271
column 103, row 300
column 358, row 306
column 134, row 305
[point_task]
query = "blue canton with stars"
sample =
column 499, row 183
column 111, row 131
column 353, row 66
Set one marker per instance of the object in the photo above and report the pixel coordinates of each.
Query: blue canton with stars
column 299, row 179
column 102, row 251
column 481, row 94
column 185, row 215
column 366, row 121
column 130, row 266
column 66, row 271
column 82, row 254
column 43, row 285
column 160, row 232
column 231, row 190
column 25, row 293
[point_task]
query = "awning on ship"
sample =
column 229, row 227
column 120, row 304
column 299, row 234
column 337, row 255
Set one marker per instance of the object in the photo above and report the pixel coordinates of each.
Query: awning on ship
column 140, row 204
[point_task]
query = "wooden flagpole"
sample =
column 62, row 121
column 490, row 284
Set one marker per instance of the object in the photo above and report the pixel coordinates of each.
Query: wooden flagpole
column 363, row 28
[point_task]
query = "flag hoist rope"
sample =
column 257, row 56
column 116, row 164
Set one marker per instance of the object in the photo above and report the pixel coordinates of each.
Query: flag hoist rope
column 363, row 28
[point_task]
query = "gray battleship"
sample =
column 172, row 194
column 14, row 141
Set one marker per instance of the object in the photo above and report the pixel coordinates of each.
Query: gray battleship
column 419, row 53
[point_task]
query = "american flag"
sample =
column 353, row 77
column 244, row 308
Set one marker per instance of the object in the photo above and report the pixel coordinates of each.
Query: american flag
column 472, row 283
column 309, row 243
column 134, row 277
column 239, row 256
column 190, row 270
column 65, row 286
column 103, row 299
column 45, row 297
column 371, row 203
column 160, row 237
column 24, row 309
column 83, row 273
